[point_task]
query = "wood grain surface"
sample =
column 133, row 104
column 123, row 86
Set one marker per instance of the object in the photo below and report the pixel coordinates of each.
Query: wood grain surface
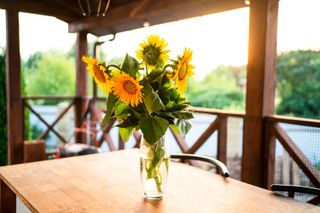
column 110, row 182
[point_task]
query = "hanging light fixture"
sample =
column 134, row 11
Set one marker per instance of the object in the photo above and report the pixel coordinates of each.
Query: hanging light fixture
column 86, row 7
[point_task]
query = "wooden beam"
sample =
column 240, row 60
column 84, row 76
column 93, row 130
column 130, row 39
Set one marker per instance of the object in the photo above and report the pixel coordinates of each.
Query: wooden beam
column 132, row 15
column 294, row 120
column 109, row 141
column 14, row 101
column 105, row 131
column 218, row 112
column 81, row 73
column 205, row 135
column 42, row 8
column 261, row 75
column 137, row 136
column 121, row 142
column 269, row 155
column 180, row 141
column 222, row 139
column 81, row 81
column 34, row 151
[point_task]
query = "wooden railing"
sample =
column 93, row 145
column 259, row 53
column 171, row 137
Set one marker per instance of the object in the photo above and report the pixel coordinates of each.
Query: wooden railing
column 219, row 125
column 90, row 110
column 275, row 131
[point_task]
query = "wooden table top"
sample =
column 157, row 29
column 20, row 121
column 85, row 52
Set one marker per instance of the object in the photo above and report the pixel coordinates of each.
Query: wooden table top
column 110, row 182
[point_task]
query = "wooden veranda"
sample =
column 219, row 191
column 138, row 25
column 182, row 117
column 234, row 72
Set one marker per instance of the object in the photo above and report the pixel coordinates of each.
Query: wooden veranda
column 260, row 124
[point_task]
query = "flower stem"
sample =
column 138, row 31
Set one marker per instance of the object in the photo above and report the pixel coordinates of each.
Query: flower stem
column 115, row 66
column 158, row 182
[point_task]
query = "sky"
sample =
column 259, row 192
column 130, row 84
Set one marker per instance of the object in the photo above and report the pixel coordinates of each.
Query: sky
column 215, row 39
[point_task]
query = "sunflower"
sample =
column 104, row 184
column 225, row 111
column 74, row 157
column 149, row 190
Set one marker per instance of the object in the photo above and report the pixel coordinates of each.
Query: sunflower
column 98, row 72
column 127, row 89
column 182, row 70
column 152, row 52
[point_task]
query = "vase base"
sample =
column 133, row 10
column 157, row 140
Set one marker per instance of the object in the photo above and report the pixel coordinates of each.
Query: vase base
column 148, row 197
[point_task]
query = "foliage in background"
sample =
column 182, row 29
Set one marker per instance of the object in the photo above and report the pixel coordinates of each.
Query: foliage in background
column 298, row 83
column 223, row 88
column 3, row 111
column 50, row 74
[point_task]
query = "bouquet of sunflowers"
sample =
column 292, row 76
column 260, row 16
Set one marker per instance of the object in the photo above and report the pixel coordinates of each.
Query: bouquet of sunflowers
column 146, row 93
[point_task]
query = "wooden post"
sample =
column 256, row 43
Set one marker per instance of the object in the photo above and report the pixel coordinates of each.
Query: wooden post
column 261, row 75
column 121, row 143
column 222, row 139
column 269, row 155
column 7, row 199
column 81, row 82
column 96, row 54
column 14, row 100
column 34, row 151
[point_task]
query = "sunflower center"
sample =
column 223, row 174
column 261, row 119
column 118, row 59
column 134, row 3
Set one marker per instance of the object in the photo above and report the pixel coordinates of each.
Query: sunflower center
column 183, row 71
column 152, row 54
column 129, row 87
column 99, row 74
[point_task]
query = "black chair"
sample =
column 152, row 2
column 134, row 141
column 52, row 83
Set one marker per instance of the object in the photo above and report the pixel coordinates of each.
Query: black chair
column 292, row 189
column 215, row 162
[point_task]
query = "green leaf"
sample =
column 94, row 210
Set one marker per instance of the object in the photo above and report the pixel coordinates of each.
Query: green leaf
column 154, row 75
column 137, row 114
column 177, row 107
column 128, row 123
column 111, row 101
column 183, row 125
column 166, row 115
column 175, row 129
column 130, row 66
column 151, row 99
column 125, row 133
column 175, row 95
column 121, row 110
column 183, row 115
column 153, row 128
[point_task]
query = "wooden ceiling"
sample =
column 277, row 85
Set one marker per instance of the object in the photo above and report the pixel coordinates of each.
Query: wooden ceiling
column 122, row 15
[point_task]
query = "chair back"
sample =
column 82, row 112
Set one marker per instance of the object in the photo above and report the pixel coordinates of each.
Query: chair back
column 293, row 190
column 221, row 166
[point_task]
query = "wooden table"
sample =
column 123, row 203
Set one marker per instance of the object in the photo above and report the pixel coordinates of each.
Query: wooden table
column 110, row 183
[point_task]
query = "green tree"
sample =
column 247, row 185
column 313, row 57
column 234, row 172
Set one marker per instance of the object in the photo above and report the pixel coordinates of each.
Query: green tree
column 3, row 111
column 221, row 89
column 32, row 63
column 51, row 74
column 298, row 83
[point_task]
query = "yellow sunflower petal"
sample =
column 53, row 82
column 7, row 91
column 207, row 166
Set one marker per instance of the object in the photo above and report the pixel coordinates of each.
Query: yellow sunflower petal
column 183, row 69
column 127, row 89
column 97, row 71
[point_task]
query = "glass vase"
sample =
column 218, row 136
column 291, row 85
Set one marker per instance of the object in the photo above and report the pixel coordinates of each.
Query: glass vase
column 154, row 167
